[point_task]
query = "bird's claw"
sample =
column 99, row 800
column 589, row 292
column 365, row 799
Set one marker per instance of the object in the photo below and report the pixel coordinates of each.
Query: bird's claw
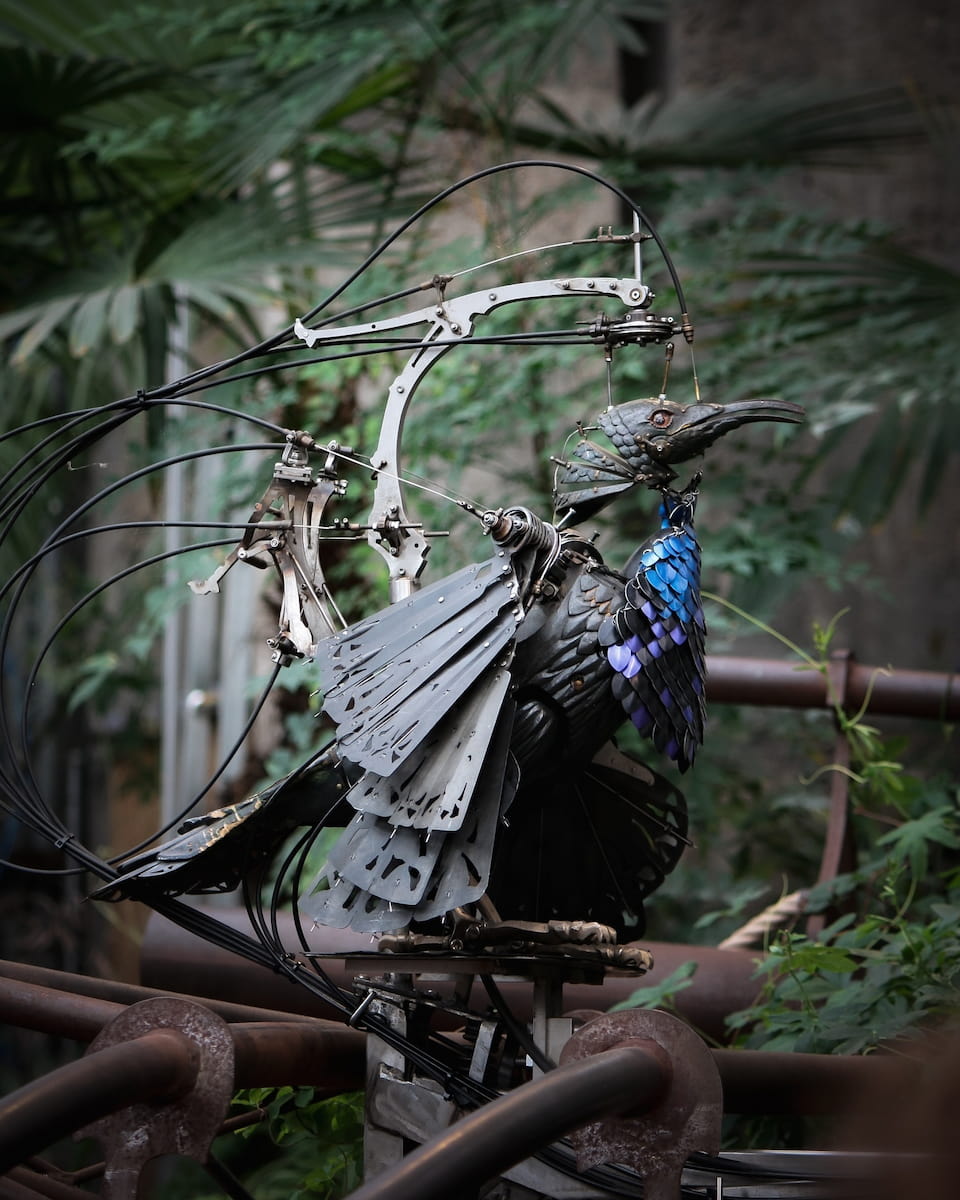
column 583, row 933
column 476, row 934
column 585, row 941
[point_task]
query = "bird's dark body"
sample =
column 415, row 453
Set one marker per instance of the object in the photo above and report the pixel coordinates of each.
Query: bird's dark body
column 566, row 708
column 556, row 709
column 585, row 837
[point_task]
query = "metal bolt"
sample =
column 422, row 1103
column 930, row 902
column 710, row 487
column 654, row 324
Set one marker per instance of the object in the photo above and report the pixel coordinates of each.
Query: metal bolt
column 635, row 293
column 492, row 295
column 400, row 389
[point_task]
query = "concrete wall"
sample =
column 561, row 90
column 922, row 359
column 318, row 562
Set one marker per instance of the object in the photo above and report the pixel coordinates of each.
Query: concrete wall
column 914, row 621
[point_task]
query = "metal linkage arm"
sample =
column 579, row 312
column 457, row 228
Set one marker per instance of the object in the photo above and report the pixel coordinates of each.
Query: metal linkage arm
column 450, row 321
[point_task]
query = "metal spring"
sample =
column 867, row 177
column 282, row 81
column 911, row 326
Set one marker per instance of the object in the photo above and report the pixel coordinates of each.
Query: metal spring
column 519, row 528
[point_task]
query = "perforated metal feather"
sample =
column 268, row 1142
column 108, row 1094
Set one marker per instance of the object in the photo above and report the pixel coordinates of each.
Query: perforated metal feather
column 382, row 876
column 388, row 680
column 419, row 694
column 597, row 476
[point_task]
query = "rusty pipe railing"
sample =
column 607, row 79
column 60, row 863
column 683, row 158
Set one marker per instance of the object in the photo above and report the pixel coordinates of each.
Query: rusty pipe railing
column 768, row 682
column 29, row 1184
column 630, row 1077
column 272, row 1053
column 132, row 993
column 160, row 1066
column 170, row 956
column 766, row 1082
column 312, row 1051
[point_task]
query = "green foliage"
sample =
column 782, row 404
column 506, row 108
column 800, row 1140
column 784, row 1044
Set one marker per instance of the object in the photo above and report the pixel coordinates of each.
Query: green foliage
column 662, row 994
column 864, row 982
column 798, row 304
column 322, row 1140
column 294, row 1146
column 889, row 964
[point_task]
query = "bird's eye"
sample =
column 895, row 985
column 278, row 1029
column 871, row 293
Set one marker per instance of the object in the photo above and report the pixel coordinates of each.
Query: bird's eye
column 661, row 418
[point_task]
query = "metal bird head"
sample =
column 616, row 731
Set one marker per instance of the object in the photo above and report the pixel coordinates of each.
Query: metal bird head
column 650, row 436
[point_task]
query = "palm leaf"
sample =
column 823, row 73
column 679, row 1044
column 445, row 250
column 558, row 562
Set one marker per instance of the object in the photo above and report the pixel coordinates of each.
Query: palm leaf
column 723, row 129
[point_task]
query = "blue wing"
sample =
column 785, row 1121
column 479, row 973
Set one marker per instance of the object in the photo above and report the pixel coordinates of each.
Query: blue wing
column 655, row 645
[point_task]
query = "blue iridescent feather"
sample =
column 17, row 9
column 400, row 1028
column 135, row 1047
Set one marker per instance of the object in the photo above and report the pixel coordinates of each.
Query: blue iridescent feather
column 655, row 641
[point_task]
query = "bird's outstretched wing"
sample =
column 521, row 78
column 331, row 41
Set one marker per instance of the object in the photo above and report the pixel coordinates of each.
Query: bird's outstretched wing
column 655, row 644
column 213, row 852
column 388, row 679
column 419, row 694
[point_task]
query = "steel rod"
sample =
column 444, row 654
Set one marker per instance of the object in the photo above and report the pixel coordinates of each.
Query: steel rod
column 631, row 1077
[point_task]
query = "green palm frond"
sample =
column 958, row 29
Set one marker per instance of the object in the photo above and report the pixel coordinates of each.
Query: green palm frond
column 723, row 128
column 218, row 263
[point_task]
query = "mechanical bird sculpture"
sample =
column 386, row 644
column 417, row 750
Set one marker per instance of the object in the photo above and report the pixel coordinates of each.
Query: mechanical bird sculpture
column 473, row 720
column 471, row 768
column 477, row 708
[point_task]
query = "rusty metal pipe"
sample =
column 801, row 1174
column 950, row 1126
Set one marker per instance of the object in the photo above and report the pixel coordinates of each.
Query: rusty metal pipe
column 49, row 1010
column 773, row 683
column 301, row 1046
column 758, row 1082
column 723, row 983
column 330, row 1058
column 131, row 993
column 160, row 1065
column 42, row 1184
column 630, row 1077
column 11, row 1189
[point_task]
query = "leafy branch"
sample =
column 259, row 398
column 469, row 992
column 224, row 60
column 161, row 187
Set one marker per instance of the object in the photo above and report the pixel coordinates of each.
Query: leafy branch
column 891, row 966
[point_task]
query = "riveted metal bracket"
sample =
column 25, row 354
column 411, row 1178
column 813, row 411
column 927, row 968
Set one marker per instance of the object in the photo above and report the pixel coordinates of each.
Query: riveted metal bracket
column 687, row 1119
column 184, row 1122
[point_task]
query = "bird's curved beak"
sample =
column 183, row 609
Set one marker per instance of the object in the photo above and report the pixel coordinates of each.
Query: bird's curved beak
column 700, row 425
